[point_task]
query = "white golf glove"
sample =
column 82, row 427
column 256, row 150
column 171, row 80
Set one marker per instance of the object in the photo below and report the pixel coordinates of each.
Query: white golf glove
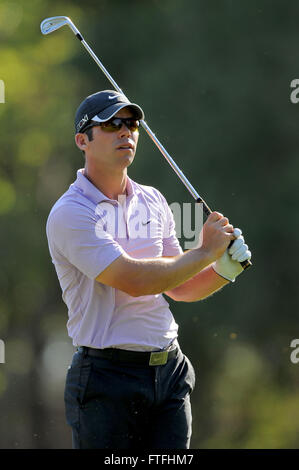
column 228, row 266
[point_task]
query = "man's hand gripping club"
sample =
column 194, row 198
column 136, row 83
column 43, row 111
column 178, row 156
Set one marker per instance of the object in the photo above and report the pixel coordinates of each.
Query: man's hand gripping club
column 228, row 265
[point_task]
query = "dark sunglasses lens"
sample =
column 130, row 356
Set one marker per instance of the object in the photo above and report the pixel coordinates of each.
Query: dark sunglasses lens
column 112, row 125
column 116, row 124
column 133, row 125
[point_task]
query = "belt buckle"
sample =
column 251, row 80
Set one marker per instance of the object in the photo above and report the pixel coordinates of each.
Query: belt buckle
column 158, row 358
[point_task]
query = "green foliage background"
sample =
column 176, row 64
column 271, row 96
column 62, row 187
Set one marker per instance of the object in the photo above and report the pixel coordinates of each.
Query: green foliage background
column 214, row 80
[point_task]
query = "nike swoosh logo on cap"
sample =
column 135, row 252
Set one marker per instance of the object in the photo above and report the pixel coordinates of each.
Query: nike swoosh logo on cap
column 112, row 97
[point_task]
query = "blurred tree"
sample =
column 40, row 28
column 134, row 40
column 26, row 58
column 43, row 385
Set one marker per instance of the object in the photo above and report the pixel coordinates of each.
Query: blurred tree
column 214, row 80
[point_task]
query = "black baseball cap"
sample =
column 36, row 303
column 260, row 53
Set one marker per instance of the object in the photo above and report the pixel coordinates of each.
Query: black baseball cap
column 102, row 106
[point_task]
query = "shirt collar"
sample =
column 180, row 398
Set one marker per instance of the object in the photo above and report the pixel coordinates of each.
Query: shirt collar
column 88, row 190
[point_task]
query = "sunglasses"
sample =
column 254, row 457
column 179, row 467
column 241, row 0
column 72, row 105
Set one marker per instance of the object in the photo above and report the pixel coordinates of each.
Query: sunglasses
column 115, row 124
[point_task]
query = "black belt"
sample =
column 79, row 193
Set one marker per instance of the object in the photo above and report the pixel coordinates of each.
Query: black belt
column 151, row 358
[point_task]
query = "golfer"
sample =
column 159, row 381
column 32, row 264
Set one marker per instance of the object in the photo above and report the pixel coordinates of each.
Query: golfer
column 115, row 251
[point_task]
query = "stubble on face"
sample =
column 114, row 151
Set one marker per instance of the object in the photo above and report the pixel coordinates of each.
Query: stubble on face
column 105, row 150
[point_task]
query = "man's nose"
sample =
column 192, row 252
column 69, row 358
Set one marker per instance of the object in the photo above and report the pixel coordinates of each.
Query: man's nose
column 124, row 130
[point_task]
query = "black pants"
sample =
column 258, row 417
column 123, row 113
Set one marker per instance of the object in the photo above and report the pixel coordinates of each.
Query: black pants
column 112, row 405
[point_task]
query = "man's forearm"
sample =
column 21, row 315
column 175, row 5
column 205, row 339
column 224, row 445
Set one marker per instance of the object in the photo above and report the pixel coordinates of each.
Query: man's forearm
column 140, row 277
column 155, row 276
column 202, row 285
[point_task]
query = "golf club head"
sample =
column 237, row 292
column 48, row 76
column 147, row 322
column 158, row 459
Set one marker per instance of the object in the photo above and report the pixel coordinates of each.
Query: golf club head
column 52, row 24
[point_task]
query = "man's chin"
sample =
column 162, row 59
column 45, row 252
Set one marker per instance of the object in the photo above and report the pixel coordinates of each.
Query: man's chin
column 126, row 160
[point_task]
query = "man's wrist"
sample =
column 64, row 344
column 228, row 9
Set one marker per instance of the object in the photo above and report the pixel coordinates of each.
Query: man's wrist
column 204, row 255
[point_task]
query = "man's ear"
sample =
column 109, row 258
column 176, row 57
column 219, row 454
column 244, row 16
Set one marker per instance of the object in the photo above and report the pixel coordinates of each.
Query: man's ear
column 81, row 141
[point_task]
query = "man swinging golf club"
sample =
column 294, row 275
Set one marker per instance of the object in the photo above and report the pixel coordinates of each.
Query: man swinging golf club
column 129, row 383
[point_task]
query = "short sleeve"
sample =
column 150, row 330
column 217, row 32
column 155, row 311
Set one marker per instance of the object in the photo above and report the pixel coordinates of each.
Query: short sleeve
column 72, row 236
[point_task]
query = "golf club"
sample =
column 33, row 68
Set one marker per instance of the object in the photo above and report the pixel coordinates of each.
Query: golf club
column 52, row 24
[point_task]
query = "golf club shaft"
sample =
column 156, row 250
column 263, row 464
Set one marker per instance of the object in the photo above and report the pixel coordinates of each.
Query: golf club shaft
column 245, row 264
column 162, row 149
